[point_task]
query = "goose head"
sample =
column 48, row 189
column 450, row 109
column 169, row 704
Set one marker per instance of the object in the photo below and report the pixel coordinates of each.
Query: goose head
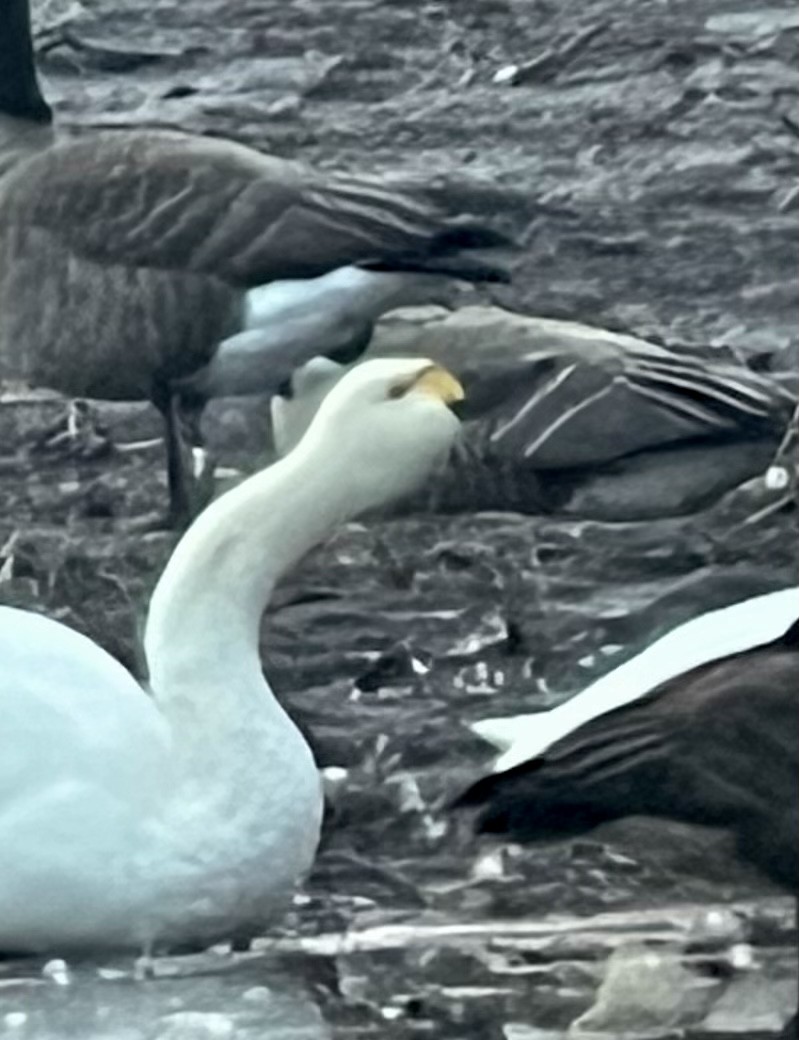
column 383, row 428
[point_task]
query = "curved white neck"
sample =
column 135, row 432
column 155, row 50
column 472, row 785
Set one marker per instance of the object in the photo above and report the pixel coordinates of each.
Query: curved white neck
column 202, row 632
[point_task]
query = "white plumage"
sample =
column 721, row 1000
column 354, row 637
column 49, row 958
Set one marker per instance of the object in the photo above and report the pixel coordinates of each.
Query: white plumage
column 127, row 820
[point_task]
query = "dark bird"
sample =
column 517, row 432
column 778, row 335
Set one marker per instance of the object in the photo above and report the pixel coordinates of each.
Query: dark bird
column 565, row 417
column 126, row 257
column 716, row 745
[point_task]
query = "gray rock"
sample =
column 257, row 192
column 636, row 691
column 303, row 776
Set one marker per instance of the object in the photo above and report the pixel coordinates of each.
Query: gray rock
column 751, row 1003
column 645, row 993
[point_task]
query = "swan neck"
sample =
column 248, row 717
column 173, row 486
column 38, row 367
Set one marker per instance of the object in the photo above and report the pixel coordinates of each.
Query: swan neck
column 205, row 612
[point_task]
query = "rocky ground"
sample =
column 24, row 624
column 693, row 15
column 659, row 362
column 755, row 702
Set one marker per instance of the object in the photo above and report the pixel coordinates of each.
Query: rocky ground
column 644, row 154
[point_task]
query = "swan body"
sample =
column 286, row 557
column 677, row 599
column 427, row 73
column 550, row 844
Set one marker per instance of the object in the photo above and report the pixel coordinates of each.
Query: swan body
column 716, row 634
column 108, row 839
column 129, row 820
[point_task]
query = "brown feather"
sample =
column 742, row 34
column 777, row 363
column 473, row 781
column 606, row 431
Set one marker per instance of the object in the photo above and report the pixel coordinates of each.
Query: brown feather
column 717, row 746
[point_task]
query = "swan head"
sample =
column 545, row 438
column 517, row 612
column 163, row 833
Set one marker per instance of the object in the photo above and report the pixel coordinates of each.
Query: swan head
column 383, row 428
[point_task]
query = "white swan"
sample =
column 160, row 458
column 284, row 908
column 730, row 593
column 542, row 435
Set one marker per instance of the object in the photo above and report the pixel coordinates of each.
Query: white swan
column 127, row 821
column 709, row 637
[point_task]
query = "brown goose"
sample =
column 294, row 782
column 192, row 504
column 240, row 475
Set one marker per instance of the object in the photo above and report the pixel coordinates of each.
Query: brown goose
column 126, row 257
column 715, row 745
column 570, row 418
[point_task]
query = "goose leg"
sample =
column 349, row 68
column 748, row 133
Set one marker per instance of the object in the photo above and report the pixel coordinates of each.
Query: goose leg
column 180, row 470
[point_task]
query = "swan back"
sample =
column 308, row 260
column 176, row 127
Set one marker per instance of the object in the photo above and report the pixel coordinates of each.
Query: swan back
column 64, row 693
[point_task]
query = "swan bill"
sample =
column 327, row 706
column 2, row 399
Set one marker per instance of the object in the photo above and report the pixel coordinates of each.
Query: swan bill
column 439, row 383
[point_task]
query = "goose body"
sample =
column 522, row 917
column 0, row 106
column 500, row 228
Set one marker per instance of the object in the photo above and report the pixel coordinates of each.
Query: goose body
column 712, row 636
column 148, row 243
column 128, row 820
column 709, row 737
column 571, row 418
column 126, row 257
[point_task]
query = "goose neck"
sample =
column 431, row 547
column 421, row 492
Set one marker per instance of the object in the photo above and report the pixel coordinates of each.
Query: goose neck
column 20, row 95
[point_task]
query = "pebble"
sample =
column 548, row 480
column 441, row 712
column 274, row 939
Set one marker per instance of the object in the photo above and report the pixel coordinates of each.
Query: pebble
column 198, row 1025
column 644, row 993
column 57, row 971
column 506, row 74
column 752, row 1003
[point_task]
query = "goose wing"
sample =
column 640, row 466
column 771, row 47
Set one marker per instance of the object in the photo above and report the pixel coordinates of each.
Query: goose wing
column 591, row 775
column 718, row 746
column 551, row 394
column 180, row 203
column 581, row 411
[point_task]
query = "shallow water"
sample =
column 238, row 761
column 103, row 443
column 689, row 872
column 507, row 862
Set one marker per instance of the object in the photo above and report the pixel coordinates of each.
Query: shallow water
column 206, row 996
column 430, row 976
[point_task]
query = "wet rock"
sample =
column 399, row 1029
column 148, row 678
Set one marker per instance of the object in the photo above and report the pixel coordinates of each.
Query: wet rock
column 396, row 663
column 198, row 1025
column 520, row 1031
column 751, row 1003
column 762, row 22
column 645, row 993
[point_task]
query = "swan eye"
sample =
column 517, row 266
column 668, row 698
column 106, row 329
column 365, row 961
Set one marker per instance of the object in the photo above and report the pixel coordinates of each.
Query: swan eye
column 400, row 389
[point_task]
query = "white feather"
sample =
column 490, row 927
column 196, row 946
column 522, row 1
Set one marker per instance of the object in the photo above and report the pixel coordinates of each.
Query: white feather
column 127, row 819
column 714, row 635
